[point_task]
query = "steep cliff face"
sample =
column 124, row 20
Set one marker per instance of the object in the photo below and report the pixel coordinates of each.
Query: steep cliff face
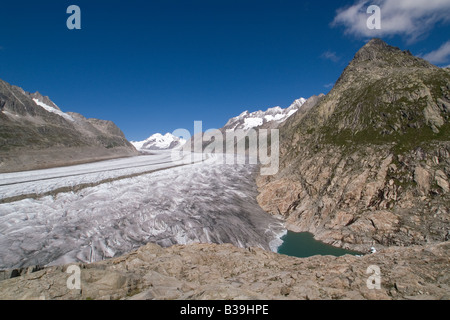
column 370, row 162
column 35, row 133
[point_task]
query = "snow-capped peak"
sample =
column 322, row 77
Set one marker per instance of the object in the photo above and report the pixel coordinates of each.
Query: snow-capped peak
column 247, row 121
column 297, row 103
column 159, row 142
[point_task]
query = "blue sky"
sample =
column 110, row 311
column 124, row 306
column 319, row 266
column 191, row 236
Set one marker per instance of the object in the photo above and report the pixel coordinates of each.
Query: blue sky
column 155, row 66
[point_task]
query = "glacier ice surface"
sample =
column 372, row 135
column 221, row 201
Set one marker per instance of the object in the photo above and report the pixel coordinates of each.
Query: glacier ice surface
column 206, row 202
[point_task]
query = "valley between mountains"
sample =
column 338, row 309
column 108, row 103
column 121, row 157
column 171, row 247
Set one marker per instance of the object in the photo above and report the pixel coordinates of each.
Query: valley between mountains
column 367, row 165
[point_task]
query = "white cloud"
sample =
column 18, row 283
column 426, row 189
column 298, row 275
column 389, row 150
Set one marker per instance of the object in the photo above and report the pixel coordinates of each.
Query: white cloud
column 330, row 55
column 409, row 18
column 441, row 55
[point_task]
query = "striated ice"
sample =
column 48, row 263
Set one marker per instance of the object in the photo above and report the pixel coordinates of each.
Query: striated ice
column 206, row 202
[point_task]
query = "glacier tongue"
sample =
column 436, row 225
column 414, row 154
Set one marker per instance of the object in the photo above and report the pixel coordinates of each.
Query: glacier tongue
column 205, row 202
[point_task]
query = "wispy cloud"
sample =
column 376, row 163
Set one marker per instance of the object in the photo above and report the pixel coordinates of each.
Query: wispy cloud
column 329, row 85
column 330, row 55
column 409, row 18
column 441, row 55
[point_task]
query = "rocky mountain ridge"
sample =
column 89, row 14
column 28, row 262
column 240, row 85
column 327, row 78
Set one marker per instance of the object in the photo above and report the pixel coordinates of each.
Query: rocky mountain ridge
column 368, row 164
column 35, row 133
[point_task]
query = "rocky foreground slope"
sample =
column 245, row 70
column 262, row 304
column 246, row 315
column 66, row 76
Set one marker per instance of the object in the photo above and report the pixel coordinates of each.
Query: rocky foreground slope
column 369, row 164
column 207, row 271
column 35, row 134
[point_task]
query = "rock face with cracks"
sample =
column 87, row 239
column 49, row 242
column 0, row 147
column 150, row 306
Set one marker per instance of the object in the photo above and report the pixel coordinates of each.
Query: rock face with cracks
column 208, row 271
column 369, row 164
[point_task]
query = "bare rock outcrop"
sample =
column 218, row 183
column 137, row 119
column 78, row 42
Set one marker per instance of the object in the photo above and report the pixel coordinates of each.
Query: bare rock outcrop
column 371, row 197
column 207, row 271
column 369, row 163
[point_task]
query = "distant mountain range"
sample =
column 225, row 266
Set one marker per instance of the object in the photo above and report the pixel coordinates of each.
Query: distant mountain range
column 35, row 133
column 159, row 142
column 271, row 118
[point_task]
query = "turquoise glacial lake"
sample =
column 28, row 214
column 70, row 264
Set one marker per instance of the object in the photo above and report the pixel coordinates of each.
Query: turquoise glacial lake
column 303, row 245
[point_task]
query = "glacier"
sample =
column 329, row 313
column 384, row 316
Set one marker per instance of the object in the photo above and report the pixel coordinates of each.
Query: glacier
column 204, row 202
